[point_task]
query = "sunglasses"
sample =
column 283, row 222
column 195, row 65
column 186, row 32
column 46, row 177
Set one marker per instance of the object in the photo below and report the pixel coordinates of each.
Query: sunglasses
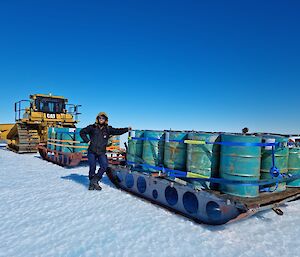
column 101, row 118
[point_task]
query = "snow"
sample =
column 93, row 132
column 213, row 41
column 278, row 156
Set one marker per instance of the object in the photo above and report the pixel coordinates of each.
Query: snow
column 46, row 210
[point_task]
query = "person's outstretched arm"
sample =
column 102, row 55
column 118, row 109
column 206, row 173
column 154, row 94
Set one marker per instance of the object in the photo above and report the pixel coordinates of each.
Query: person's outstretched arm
column 84, row 132
column 117, row 131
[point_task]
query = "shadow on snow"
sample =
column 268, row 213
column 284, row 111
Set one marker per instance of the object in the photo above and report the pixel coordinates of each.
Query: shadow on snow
column 84, row 180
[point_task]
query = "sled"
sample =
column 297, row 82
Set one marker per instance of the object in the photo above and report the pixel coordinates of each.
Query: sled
column 67, row 159
column 201, row 205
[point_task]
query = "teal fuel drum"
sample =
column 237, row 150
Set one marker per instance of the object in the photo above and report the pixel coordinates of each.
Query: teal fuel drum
column 175, row 152
column 153, row 150
column 135, row 147
column 281, row 159
column 294, row 165
column 80, row 145
column 240, row 163
column 203, row 159
column 68, row 138
column 59, row 137
column 51, row 138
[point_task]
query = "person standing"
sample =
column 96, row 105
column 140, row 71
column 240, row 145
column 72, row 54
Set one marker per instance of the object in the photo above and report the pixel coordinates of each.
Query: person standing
column 99, row 133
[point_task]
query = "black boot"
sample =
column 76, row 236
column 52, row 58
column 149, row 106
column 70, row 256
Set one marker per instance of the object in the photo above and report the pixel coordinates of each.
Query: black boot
column 91, row 186
column 94, row 183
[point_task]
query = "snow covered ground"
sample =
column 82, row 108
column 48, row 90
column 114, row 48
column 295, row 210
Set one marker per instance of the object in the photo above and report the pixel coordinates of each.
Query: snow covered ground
column 46, row 210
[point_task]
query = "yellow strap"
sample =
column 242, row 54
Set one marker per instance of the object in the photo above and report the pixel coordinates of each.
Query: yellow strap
column 72, row 146
column 58, row 140
column 195, row 175
column 195, row 142
column 192, row 142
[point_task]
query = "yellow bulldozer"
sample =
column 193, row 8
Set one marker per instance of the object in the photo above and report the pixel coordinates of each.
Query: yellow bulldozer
column 33, row 118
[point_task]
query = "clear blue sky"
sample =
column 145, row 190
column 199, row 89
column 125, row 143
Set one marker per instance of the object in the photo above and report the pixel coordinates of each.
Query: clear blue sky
column 203, row 65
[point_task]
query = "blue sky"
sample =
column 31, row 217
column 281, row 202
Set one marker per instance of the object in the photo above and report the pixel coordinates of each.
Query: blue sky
column 202, row 65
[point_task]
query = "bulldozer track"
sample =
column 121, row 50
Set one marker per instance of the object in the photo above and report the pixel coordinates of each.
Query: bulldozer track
column 25, row 140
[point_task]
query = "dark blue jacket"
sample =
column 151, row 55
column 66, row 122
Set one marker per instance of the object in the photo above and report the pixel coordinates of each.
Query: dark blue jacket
column 99, row 136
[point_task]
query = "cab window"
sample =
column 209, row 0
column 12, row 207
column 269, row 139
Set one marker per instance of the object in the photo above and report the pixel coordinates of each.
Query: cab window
column 50, row 105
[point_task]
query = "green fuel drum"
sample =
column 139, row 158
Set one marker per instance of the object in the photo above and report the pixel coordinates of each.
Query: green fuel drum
column 281, row 159
column 135, row 147
column 294, row 165
column 153, row 150
column 240, row 163
column 203, row 159
column 175, row 152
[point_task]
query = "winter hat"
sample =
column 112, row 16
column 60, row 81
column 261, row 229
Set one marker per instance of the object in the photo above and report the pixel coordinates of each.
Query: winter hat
column 104, row 115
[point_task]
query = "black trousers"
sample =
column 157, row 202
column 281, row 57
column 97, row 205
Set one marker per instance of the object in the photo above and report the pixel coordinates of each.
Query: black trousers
column 93, row 159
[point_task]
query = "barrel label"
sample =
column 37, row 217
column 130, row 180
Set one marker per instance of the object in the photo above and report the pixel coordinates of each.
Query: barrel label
column 269, row 140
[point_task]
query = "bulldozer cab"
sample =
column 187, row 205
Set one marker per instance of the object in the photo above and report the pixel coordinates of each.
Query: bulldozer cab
column 46, row 108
